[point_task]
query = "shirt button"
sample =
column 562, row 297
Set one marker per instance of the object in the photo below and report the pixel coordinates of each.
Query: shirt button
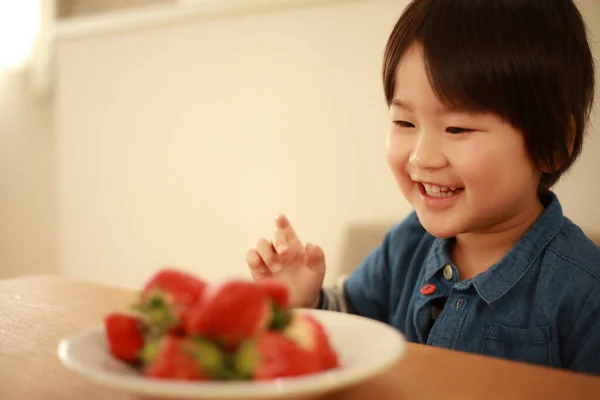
column 428, row 289
column 459, row 304
column 448, row 271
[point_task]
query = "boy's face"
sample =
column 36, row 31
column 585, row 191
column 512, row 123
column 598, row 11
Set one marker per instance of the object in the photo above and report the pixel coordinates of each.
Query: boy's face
column 462, row 172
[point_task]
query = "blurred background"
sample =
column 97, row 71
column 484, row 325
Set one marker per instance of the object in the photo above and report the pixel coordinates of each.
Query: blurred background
column 141, row 133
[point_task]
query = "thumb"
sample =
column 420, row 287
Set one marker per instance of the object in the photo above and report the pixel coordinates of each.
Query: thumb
column 315, row 258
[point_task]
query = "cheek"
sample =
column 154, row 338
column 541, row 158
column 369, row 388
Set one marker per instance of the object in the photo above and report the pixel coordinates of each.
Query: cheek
column 479, row 172
column 397, row 155
column 396, row 152
column 495, row 167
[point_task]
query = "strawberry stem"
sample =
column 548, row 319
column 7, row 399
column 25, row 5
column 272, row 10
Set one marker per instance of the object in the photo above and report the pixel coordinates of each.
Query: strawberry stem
column 246, row 359
column 281, row 318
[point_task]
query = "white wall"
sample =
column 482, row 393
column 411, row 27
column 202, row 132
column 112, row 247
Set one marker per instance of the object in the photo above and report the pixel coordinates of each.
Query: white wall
column 579, row 191
column 28, row 218
column 179, row 144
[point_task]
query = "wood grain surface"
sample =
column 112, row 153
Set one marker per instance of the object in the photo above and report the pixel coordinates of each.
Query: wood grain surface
column 36, row 312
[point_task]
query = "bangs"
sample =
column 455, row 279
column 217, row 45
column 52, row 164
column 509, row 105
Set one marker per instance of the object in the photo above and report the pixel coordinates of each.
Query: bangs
column 479, row 55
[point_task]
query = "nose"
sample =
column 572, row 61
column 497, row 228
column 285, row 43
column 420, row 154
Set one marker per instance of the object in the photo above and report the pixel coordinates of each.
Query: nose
column 427, row 152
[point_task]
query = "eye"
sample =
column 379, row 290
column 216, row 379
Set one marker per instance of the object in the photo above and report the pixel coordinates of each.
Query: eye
column 456, row 130
column 404, row 124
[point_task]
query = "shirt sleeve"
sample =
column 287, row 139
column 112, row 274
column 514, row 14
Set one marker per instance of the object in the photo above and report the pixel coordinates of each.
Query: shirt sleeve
column 333, row 297
column 582, row 350
column 367, row 288
column 365, row 291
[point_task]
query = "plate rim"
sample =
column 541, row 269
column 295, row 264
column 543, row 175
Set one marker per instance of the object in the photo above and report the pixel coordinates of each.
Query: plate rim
column 272, row 389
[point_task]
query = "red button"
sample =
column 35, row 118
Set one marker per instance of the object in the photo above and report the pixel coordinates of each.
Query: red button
column 428, row 289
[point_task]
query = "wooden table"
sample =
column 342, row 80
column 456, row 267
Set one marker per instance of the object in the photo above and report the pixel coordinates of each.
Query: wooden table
column 35, row 312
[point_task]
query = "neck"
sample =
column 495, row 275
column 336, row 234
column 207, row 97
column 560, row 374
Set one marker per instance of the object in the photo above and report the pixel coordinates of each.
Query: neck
column 475, row 252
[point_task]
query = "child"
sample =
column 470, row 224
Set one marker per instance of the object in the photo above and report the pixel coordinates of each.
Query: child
column 489, row 101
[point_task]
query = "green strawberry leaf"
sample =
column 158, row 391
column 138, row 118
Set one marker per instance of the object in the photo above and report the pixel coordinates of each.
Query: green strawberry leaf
column 281, row 318
column 245, row 360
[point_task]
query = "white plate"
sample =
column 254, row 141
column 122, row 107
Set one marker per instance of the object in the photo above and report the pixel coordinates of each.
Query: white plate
column 365, row 347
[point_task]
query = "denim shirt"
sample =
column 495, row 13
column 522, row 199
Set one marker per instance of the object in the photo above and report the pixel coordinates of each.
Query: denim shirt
column 540, row 304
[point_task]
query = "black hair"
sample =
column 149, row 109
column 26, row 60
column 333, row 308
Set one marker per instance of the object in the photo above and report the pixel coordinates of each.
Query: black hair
column 528, row 61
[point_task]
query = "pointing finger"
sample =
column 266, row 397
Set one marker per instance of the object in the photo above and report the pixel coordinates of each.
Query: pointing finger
column 283, row 225
column 280, row 242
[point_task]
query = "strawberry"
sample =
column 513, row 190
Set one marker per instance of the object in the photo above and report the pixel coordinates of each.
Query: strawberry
column 125, row 335
column 175, row 357
column 311, row 336
column 167, row 296
column 230, row 313
column 278, row 293
column 273, row 355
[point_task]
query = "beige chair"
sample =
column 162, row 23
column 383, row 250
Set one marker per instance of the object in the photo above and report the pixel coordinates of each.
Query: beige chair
column 360, row 238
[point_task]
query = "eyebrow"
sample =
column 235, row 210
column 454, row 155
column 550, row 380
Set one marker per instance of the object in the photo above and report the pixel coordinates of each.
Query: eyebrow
column 449, row 109
column 402, row 104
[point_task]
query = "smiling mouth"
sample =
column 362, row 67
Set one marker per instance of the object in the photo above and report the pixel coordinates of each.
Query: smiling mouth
column 431, row 190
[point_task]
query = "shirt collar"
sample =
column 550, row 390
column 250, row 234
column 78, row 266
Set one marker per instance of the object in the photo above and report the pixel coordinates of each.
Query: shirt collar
column 439, row 256
column 502, row 276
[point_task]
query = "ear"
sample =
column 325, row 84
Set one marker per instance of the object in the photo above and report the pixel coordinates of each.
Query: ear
column 558, row 162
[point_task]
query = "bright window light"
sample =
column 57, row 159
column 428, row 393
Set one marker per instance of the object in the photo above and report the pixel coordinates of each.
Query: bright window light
column 19, row 26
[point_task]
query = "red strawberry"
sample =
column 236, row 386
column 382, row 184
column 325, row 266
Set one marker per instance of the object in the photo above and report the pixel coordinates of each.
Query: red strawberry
column 125, row 335
column 274, row 355
column 229, row 313
column 174, row 357
column 278, row 293
column 181, row 286
column 167, row 296
column 311, row 336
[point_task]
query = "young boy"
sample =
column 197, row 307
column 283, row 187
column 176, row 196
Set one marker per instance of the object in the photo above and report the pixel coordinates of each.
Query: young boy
column 489, row 101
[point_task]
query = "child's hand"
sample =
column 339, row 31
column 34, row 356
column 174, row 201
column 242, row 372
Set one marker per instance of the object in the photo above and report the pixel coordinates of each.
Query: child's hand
column 288, row 260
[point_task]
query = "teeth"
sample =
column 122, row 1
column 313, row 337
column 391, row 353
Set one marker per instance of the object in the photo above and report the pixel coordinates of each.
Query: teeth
column 438, row 191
